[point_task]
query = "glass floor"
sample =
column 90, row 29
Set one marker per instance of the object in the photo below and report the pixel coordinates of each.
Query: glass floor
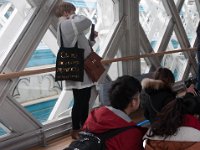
column 41, row 111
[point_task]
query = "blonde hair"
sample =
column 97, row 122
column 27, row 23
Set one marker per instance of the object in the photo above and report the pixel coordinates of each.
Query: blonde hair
column 64, row 7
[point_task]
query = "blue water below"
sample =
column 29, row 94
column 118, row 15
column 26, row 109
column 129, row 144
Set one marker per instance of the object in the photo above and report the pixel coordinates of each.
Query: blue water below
column 41, row 57
column 41, row 111
column 2, row 132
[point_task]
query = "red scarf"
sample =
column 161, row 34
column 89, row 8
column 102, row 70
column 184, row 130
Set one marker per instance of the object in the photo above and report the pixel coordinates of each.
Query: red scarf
column 191, row 121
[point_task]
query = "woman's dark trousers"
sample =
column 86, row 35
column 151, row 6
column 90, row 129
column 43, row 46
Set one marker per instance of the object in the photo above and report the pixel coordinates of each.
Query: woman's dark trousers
column 81, row 107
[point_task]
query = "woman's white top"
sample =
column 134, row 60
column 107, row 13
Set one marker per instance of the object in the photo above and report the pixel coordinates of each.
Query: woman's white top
column 74, row 29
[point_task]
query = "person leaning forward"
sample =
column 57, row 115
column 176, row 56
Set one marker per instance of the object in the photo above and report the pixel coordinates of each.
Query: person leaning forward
column 124, row 98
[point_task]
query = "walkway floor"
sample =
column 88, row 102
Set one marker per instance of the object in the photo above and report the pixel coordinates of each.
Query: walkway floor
column 63, row 142
column 57, row 144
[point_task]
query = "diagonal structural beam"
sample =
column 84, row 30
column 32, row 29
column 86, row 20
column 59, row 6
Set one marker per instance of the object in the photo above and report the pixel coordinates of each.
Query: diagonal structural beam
column 180, row 33
column 146, row 48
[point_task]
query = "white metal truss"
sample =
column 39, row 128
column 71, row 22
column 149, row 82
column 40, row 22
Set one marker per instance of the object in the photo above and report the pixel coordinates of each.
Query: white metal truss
column 126, row 37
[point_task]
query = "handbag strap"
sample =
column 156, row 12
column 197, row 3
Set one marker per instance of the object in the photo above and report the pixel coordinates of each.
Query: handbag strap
column 111, row 133
column 75, row 30
column 61, row 39
column 92, row 35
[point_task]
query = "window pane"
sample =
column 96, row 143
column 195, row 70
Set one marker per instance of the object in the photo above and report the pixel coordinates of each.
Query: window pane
column 41, row 110
column 174, row 43
column 175, row 62
column 38, row 94
column 154, row 20
column 43, row 55
column 13, row 18
column 175, row 1
column 145, row 67
column 190, row 19
column 4, row 131
column 9, row 11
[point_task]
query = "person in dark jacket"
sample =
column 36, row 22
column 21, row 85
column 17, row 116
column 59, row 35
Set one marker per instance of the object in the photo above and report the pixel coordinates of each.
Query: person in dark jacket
column 159, row 92
column 178, row 126
column 124, row 98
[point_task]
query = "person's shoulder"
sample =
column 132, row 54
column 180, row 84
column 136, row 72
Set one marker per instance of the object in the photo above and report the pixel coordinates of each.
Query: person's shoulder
column 82, row 21
column 143, row 130
column 80, row 17
column 148, row 83
column 100, row 110
column 139, row 130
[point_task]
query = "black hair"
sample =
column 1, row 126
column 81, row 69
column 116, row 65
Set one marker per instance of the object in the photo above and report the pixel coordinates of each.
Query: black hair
column 171, row 116
column 165, row 75
column 122, row 91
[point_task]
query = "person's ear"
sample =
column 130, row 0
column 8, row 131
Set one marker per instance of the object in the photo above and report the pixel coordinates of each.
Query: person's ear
column 134, row 103
column 65, row 13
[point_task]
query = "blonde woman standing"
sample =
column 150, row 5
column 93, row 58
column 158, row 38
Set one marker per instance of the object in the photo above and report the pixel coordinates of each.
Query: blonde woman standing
column 73, row 29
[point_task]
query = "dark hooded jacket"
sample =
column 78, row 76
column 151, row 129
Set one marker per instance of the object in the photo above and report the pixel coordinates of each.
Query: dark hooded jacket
column 106, row 118
column 158, row 94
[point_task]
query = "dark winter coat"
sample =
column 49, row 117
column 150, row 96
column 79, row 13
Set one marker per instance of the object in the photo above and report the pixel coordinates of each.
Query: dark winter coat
column 159, row 95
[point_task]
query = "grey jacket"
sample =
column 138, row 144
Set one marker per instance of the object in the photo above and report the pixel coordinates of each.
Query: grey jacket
column 70, row 35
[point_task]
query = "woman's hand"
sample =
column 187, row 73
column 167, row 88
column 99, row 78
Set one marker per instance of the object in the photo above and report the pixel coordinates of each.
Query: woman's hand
column 95, row 34
column 191, row 89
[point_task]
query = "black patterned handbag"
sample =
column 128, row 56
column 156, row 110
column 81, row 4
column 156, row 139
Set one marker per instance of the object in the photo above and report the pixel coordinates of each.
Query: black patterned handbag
column 69, row 63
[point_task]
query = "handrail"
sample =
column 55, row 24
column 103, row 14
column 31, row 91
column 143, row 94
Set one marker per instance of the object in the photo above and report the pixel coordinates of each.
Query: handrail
column 12, row 75
column 127, row 58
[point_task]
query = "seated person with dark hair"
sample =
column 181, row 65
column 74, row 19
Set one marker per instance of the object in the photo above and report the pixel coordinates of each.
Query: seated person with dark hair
column 158, row 92
column 124, row 97
column 177, row 126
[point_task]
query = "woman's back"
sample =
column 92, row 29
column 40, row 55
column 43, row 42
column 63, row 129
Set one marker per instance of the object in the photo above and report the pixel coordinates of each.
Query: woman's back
column 159, row 95
column 177, row 126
